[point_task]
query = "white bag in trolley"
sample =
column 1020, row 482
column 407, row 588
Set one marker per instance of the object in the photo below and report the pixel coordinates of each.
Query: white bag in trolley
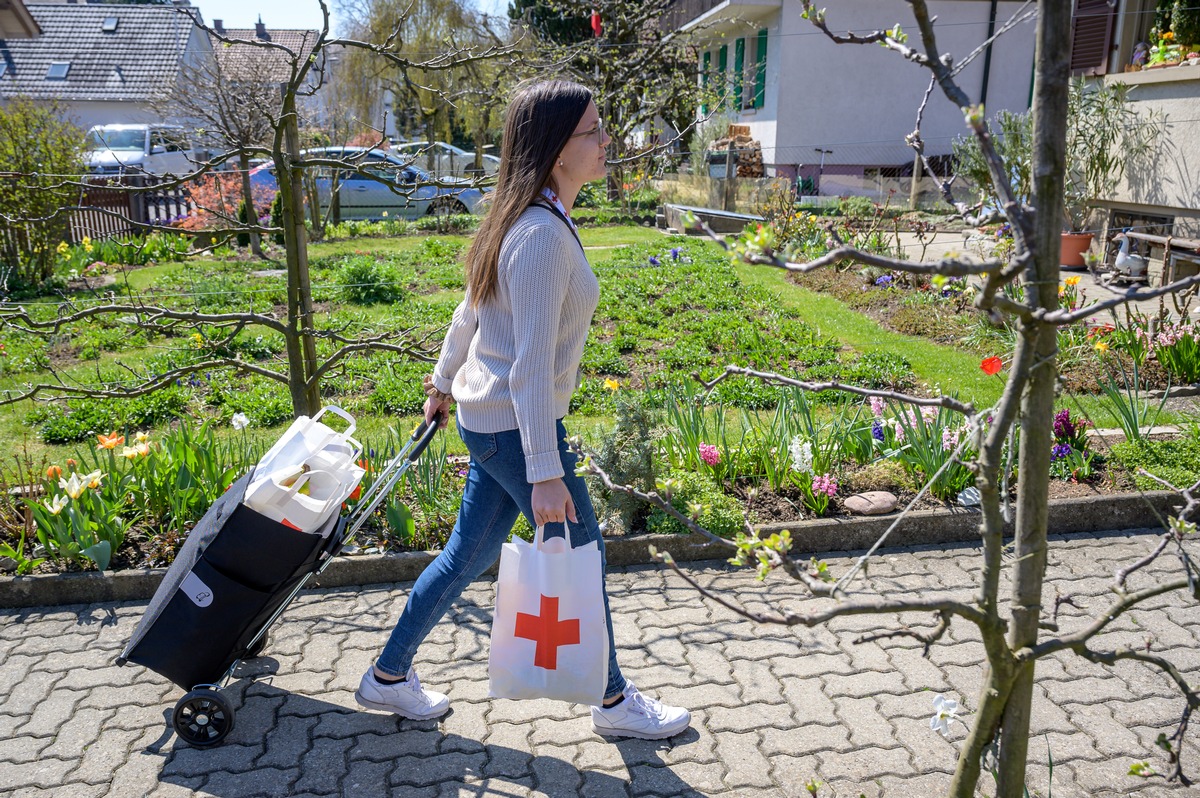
column 304, row 478
column 549, row 639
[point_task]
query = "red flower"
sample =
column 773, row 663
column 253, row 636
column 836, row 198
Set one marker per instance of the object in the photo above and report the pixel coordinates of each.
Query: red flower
column 992, row 365
column 356, row 494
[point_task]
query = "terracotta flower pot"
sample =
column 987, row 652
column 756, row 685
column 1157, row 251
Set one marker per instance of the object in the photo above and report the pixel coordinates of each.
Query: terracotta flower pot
column 1073, row 247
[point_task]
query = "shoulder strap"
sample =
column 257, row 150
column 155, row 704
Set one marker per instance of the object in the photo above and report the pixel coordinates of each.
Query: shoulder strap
column 564, row 219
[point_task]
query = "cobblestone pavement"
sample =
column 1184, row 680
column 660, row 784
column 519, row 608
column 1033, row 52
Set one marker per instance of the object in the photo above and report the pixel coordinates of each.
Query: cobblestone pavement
column 772, row 708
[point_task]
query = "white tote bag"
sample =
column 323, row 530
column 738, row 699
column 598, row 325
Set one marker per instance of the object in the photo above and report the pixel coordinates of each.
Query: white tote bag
column 549, row 639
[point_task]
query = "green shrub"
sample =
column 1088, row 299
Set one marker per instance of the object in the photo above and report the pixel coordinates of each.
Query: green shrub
column 1177, row 461
column 366, row 281
column 77, row 420
column 627, row 456
column 722, row 514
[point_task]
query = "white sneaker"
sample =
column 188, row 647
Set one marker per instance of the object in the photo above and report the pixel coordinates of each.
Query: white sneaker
column 640, row 716
column 407, row 698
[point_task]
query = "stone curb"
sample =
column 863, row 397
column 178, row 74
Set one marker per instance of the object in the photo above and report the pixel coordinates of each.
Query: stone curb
column 923, row 527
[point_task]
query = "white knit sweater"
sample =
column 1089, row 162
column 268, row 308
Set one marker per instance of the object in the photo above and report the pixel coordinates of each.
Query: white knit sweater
column 513, row 362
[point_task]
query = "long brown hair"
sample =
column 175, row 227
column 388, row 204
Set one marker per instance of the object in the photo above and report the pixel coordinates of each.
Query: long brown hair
column 538, row 124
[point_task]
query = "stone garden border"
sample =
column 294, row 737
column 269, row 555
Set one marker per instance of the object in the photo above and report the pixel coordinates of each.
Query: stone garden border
column 925, row 527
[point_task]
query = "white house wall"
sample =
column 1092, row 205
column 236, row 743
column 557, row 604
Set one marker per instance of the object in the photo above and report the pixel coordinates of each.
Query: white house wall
column 861, row 100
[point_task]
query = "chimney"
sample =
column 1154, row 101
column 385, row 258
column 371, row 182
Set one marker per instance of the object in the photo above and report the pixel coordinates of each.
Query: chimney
column 219, row 26
column 260, row 30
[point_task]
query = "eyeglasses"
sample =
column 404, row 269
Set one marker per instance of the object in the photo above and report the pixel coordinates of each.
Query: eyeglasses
column 597, row 131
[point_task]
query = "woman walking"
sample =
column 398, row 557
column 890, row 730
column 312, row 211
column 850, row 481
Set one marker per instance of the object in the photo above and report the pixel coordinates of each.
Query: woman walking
column 510, row 360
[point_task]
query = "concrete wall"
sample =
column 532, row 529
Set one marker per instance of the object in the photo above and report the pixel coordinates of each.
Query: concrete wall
column 1169, row 182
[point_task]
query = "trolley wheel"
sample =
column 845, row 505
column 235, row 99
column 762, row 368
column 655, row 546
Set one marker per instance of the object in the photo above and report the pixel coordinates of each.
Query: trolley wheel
column 203, row 717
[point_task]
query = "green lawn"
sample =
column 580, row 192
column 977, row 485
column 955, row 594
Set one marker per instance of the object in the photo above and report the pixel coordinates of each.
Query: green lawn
column 653, row 325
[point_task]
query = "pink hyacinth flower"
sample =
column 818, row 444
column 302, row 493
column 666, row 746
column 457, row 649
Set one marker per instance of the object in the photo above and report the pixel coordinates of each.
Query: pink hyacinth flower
column 709, row 454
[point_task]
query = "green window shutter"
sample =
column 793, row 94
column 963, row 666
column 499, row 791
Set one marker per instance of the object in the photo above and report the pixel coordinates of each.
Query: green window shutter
column 722, row 66
column 739, row 68
column 707, row 65
column 760, row 70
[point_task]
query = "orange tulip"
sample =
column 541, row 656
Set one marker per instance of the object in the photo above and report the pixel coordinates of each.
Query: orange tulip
column 356, row 494
column 110, row 441
column 71, row 463
column 53, row 473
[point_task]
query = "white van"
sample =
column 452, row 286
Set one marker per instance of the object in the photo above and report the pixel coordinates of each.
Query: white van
column 136, row 149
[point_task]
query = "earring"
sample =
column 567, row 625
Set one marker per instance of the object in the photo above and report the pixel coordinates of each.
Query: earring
column 560, row 163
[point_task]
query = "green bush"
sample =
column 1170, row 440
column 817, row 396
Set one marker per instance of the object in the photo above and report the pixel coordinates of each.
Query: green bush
column 366, row 281
column 34, row 140
column 722, row 514
column 81, row 419
column 1177, row 461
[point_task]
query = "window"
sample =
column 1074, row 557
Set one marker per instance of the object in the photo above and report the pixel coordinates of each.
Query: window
column 706, row 65
column 58, row 70
column 110, row 25
column 3, row 68
column 1091, row 32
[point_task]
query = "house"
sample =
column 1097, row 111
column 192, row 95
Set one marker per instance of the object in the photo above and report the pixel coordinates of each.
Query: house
column 1160, row 199
column 104, row 63
column 834, row 117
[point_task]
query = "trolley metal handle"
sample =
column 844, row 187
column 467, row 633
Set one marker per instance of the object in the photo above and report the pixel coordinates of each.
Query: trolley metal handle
column 422, row 436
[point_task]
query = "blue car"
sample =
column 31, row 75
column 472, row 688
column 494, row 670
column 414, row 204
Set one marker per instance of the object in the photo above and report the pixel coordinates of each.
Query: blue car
column 404, row 191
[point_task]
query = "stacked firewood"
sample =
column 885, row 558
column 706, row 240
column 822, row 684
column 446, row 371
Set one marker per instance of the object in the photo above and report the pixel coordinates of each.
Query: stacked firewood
column 749, row 151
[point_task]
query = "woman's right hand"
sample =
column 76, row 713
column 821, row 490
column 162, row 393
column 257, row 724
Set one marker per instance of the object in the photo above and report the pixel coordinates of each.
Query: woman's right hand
column 435, row 406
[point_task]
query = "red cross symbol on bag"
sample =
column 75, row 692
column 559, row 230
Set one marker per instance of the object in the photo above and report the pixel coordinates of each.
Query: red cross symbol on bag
column 548, row 632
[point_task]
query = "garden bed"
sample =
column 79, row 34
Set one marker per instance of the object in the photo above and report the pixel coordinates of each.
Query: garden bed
column 1080, row 515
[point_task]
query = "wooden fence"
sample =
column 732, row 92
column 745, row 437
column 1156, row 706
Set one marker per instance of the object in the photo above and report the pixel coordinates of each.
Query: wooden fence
column 108, row 208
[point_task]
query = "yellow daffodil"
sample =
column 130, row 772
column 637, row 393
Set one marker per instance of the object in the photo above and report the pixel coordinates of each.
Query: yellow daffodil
column 198, row 339
column 1072, row 281
column 64, row 248
column 812, row 217
column 56, row 505
column 611, row 384
column 74, row 486
column 87, row 244
column 142, row 437
column 1102, row 346
column 110, row 441
column 94, row 479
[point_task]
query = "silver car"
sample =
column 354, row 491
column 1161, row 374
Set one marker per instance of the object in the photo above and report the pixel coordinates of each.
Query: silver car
column 402, row 191
column 446, row 159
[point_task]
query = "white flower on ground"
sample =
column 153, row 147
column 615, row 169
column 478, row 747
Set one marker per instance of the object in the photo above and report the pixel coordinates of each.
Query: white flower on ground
column 802, row 455
column 944, row 710
column 240, row 421
column 74, row 486
column 56, row 505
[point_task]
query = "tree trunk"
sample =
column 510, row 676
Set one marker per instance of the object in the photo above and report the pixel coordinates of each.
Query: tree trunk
column 1039, row 341
column 248, row 199
column 301, row 346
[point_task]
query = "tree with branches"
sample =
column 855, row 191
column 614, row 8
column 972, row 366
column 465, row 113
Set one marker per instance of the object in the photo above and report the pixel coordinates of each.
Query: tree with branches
column 1018, row 633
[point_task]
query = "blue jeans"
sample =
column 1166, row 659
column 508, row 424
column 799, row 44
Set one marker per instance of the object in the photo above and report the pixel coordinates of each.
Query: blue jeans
column 496, row 491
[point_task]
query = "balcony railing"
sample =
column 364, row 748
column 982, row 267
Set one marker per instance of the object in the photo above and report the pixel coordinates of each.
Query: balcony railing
column 681, row 12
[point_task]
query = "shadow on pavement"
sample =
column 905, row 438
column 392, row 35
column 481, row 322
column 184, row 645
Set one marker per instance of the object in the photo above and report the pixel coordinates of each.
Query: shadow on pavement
column 348, row 753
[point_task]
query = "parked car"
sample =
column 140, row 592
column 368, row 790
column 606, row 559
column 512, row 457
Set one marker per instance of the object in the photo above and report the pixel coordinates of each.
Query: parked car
column 444, row 159
column 403, row 191
column 133, row 149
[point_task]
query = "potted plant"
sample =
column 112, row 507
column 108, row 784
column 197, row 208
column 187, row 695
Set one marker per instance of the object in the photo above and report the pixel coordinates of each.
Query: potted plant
column 1104, row 134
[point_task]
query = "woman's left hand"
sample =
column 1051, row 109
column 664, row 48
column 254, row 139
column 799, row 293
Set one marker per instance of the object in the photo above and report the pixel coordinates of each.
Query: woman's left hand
column 552, row 503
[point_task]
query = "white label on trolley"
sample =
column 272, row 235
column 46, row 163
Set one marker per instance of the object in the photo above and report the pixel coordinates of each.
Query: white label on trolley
column 200, row 593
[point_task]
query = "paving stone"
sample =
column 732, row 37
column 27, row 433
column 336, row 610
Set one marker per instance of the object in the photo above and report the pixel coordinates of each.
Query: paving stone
column 475, row 789
column 1086, row 691
column 751, row 717
column 747, row 767
column 554, row 774
column 42, row 772
column 51, row 714
column 264, row 782
column 368, row 780
column 867, row 727
column 689, row 778
column 424, row 771
column 73, row 789
column 864, row 765
column 22, row 749
column 282, row 741
column 861, row 685
column 78, row 733
column 597, row 784
column 805, row 739
column 324, row 766
column 792, row 772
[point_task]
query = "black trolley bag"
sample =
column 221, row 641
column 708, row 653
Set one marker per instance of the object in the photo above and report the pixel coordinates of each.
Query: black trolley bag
column 234, row 576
